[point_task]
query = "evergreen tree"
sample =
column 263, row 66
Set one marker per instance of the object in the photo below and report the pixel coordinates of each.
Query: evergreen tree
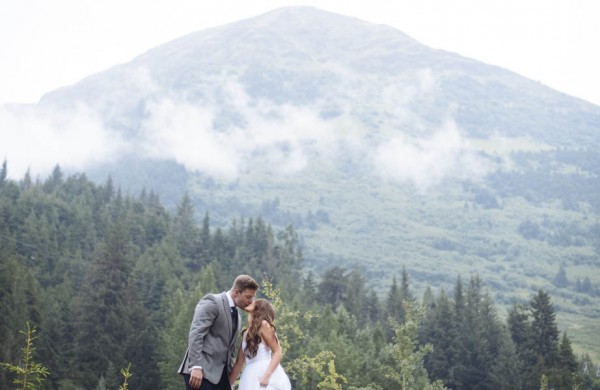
column 471, row 364
column 505, row 373
column 355, row 299
column 54, row 181
column 29, row 373
column 187, row 234
column 495, row 341
column 566, row 370
column 397, row 295
column 459, row 370
column 520, row 333
column 205, row 241
column 544, row 330
column 405, row 368
column 373, row 310
column 560, row 280
column 26, row 184
column 333, row 287
column 393, row 304
column 102, row 315
column 536, row 340
column 19, row 304
column 3, row 174
column 404, row 286
column 289, row 260
column 439, row 329
column 221, row 248
column 309, row 288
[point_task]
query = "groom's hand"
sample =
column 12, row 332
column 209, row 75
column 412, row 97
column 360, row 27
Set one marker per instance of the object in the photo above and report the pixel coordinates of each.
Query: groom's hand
column 195, row 378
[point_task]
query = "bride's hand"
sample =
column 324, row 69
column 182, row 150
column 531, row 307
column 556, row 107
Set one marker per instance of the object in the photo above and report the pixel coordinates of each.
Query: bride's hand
column 264, row 381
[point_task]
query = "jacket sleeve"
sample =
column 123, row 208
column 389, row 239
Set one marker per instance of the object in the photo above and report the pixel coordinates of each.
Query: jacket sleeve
column 204, row 317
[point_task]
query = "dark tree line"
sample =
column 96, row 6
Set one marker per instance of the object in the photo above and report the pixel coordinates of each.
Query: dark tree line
column 474, row 349
column 102, row 275
column 109, row 279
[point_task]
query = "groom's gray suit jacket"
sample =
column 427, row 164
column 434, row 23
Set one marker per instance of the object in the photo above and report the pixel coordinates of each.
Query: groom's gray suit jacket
column 210, row 344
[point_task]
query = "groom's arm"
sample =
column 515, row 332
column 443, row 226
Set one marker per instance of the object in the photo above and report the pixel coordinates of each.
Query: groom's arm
column 204, row 317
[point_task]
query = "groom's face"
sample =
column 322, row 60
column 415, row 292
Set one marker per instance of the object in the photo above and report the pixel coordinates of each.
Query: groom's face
column 243, row 298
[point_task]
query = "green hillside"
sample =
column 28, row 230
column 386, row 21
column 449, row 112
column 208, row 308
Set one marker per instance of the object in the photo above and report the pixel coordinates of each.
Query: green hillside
column 382, row 152
column 110, row 281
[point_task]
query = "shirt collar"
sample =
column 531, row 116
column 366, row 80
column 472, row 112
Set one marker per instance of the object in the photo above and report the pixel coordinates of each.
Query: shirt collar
column 230, row 299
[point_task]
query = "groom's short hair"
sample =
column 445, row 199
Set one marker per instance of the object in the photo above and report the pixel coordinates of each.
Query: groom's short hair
column 244, row 282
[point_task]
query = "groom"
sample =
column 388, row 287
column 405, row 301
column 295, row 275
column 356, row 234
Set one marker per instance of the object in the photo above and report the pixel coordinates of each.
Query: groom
column 209, row 357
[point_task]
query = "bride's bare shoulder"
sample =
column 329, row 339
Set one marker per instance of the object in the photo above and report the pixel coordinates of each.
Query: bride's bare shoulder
column 265, row 324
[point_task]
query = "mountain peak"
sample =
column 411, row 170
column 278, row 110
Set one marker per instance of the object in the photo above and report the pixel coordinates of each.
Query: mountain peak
column 339, row 66
column 301, row 32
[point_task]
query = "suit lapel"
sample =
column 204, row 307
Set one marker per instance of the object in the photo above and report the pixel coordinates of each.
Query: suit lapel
column 227, row 312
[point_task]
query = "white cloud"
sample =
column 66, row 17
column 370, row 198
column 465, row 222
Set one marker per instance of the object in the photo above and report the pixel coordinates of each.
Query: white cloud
column 283, row 136
column 426, row 162
column 183, row 132
column 173, row 128
column 39, row 138
column 283, row 139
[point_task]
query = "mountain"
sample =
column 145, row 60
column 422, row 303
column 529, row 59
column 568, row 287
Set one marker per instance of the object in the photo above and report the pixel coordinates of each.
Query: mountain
column 383, row 153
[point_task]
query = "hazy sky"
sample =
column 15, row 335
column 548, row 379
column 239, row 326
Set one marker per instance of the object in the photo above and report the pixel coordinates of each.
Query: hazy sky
column 48, row 44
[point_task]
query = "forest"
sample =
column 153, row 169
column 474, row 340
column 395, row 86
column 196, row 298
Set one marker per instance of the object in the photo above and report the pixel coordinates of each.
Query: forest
column 110, row 280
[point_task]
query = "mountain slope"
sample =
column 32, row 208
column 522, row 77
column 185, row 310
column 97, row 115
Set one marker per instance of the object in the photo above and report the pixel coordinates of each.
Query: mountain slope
column 383, row 152
column 304, row 56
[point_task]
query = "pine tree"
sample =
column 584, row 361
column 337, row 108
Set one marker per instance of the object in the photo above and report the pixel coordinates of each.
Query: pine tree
column 404, row 286
column 54, row 181
column 496, row 347
column 19, row 304
column 544, row 330
column 3, row 174
column 458, row 371
column 439, row 330
column 309, row 288
column 406, row 355
column 26, row 184
column 505, row 372
column 560, row 280
column 355, row 299
column 102, row 314
column 333, row 287
column 393, row 304
column 187, row 234
column 540, row 351
column 566, row 369
column 29, row 373
column 205, row 240
column 471, row 364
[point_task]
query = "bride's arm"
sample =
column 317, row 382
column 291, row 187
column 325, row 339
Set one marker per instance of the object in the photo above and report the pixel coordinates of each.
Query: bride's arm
column 267, row 333
column 237, row 366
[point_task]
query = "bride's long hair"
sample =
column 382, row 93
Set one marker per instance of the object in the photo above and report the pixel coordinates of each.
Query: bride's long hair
column 263, row 311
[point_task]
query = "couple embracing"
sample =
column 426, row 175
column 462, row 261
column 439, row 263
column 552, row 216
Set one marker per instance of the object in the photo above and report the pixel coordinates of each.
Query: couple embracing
column 208, row 363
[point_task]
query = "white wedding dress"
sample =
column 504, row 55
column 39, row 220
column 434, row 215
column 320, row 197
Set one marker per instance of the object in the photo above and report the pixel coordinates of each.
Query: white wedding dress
column 256, row 367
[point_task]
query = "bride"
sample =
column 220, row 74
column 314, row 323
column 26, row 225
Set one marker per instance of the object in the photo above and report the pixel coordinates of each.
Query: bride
column 260, row 351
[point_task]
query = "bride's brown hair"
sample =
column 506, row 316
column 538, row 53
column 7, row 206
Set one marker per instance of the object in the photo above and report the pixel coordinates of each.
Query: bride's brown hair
column 263, row 311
